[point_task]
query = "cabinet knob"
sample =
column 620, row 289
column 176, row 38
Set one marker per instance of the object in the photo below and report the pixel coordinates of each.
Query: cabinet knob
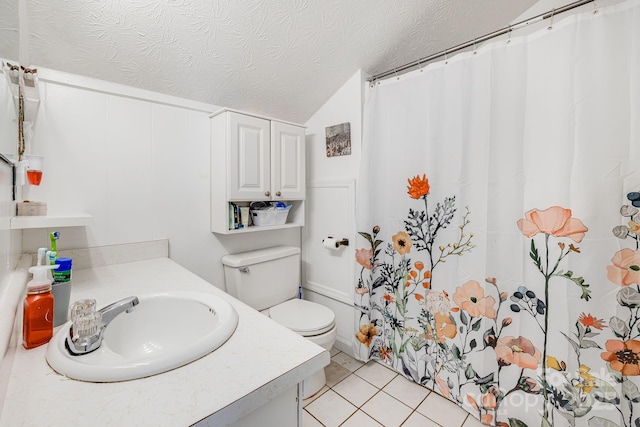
column 267, row 193
column 278, row 194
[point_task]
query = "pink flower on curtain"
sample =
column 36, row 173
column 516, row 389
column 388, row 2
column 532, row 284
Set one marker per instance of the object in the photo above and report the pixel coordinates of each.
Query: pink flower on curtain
column 363, row 257
column 519, row 351
column 625, row 270
column 555, row 221
column 470, row 297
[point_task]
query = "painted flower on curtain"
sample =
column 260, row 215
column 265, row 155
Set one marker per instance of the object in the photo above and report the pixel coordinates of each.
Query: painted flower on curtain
column 470, row 297
column 562, row 392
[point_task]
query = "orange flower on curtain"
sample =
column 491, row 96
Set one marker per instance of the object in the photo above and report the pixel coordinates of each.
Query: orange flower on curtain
column 366, row 334
column 418, row 187
column 401, row 242
column 445, row 327
column 588, row 321
column 623, row 356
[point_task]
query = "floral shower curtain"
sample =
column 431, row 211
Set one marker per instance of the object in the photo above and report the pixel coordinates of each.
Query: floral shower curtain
column 499, row 225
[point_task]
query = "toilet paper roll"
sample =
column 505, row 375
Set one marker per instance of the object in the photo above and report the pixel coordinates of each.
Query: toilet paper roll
column 330, row 243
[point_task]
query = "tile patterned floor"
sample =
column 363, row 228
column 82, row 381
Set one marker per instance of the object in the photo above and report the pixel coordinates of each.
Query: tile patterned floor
column 371, row 395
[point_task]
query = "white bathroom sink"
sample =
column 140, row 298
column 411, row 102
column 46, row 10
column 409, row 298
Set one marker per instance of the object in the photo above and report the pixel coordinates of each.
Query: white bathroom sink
column 165, row 331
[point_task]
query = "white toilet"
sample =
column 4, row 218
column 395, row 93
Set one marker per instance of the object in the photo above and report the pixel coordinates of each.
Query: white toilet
column 268, row 281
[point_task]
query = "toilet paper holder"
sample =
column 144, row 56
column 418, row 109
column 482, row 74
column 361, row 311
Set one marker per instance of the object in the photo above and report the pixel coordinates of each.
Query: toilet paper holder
column 338, row 243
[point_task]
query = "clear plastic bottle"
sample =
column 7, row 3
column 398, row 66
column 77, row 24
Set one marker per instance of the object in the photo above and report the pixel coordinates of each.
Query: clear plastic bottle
column 37, row 321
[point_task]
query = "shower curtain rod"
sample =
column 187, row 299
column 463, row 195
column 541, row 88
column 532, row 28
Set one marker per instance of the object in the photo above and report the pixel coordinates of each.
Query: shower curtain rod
column 489, row 36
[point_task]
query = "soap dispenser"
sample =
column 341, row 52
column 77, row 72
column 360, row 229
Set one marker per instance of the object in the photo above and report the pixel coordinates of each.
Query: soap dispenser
column 37, row 321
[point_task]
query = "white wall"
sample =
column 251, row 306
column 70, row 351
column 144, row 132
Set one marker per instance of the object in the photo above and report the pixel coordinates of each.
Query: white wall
column 10, row 242
column 9, row 247
column 328, row 275
column 138, row 162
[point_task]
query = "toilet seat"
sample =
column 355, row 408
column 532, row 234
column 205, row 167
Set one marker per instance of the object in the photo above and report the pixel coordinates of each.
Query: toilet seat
column 303, row 317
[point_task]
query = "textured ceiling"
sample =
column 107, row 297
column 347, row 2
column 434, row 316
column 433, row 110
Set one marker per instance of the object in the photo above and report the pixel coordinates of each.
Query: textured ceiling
column 9, row 42
column 282, row 58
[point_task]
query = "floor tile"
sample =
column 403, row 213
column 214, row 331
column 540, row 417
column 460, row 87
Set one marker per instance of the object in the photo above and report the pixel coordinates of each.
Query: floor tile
column 406, row 391
column 331, row 409
column 333, row 351
column 376, row 374
column 471, row 421
column 335, row 373
column 309, row 421
column 360, row 419
column 418, row 420
column 305, row 402
column 386, row 410
column 347, row 361
column 442, row 411
column 355, row 390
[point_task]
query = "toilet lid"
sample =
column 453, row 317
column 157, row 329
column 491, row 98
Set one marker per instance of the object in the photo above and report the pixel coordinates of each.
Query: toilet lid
column 303, row 317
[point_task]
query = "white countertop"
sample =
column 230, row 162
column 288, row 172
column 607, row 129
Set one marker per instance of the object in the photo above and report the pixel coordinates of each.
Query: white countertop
column 261, row 360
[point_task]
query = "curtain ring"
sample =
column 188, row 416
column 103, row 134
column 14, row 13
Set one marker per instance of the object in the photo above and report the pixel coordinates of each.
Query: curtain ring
column 420, row 66
column 553, row 14
column 446, row 61
column 509, row 35
column 475, row 51
column 595, row 8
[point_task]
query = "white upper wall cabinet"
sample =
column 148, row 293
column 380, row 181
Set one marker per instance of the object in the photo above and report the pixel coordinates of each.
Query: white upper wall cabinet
column 249, row 145
column 287, row 162
column 255, row 158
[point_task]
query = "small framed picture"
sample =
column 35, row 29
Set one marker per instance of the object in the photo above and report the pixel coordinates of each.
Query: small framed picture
column 338, row 140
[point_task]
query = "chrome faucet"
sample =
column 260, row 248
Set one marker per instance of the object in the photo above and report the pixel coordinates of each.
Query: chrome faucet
column 112, row 310
column 87, row 331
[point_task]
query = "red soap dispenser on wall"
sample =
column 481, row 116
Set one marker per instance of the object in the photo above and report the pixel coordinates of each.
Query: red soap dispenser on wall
column 37, row 321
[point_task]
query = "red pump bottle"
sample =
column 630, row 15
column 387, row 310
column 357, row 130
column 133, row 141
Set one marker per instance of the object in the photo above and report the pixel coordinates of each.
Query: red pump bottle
column 37, row 321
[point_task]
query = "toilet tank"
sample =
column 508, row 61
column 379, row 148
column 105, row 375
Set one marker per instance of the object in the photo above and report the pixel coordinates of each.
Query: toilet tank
column 265, row 277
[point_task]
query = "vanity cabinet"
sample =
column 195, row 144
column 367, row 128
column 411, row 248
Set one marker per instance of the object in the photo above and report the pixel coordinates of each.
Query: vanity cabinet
column 255, row 158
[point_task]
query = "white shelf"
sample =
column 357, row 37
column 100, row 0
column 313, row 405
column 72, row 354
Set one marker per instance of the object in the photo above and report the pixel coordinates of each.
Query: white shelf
column 50, row 221
column 295, row 218
column 263, row 228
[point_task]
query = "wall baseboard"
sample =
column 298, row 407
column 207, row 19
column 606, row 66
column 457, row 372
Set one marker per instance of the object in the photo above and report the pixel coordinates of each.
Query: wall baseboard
column 329, row 292
column 344, row 345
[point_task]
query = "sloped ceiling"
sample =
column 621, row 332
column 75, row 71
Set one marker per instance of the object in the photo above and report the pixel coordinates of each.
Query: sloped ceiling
column 281, row 58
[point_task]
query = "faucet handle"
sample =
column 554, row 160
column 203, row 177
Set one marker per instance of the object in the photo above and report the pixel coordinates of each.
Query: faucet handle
column 86, row 326
column 82, row 308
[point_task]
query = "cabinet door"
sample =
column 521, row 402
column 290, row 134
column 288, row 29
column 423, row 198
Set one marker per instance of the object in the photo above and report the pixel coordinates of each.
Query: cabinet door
column 249, row 167
column 287, row 162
